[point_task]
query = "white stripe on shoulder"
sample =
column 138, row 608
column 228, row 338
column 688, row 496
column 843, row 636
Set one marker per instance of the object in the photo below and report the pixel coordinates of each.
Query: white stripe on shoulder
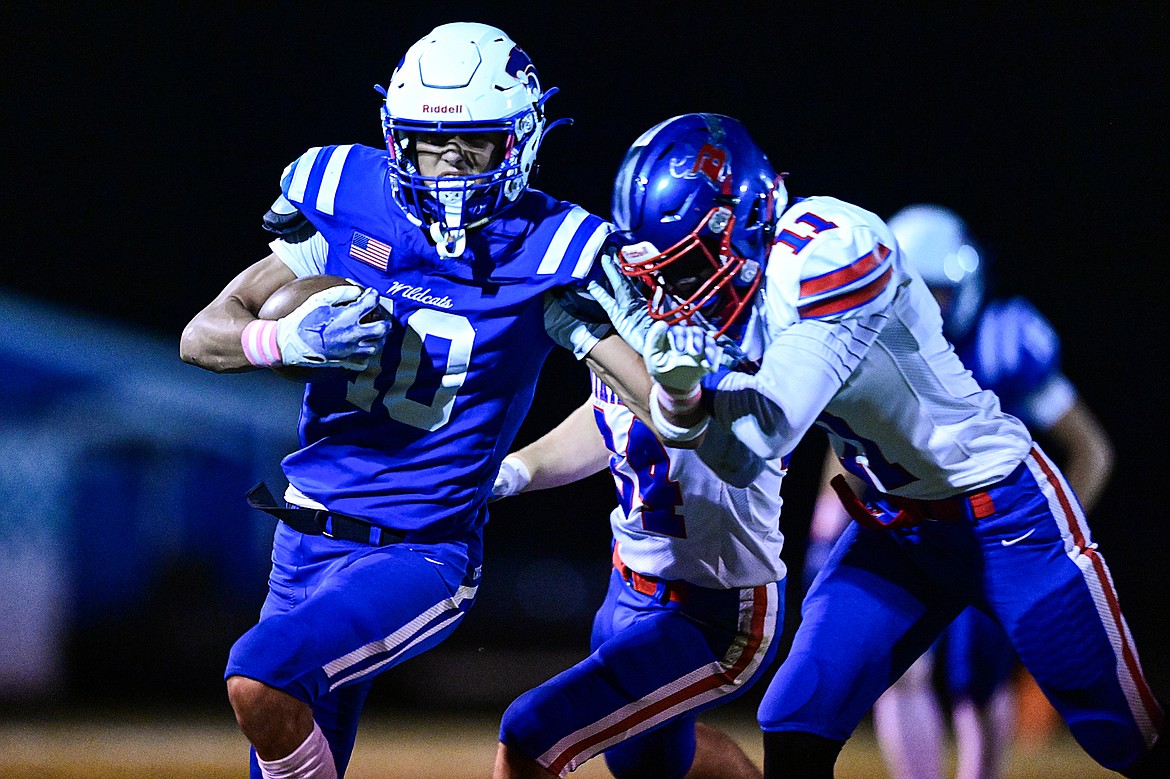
column 300, row 179
column 555, row 253
column 331, row 178
column 589, row 253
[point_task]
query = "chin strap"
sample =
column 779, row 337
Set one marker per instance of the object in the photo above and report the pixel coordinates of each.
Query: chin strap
column 450, row 239
column 449, row 243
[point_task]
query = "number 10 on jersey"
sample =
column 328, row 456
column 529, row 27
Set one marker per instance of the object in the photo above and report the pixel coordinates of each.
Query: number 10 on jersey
column 422, row 392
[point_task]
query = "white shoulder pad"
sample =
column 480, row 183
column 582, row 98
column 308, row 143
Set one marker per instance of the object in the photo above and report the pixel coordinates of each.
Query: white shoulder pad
column 304, row 258
column 833, row 261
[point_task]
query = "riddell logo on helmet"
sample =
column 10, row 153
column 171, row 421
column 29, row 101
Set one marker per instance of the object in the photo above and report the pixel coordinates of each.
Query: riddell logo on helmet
column 639, row 251
column 442, row 109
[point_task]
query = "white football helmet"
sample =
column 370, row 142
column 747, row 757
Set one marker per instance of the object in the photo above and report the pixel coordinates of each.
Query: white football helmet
column 936, row 243
column 463, row 77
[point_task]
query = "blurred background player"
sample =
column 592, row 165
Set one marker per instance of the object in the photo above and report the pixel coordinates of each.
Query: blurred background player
column 695, row 602
column 1013, row 351
column 966, row 509
column 404, row 428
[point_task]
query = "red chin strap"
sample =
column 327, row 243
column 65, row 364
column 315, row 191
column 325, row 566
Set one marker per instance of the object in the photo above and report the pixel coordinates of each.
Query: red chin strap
column 671, row 307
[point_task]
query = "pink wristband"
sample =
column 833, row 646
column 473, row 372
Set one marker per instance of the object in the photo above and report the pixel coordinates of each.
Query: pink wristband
column 678, row 405
column 259, row 342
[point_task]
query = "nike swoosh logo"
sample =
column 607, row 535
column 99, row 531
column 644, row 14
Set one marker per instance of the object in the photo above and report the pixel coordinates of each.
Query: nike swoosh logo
column 1005, row 542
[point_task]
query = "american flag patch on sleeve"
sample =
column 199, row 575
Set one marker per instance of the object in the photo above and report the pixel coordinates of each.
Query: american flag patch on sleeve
column 369, row 250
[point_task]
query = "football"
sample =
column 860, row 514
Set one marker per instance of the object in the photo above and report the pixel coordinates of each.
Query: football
column 286, row 299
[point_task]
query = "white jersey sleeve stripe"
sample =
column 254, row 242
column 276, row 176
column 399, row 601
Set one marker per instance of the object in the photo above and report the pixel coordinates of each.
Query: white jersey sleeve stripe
column 331, row 179
column 840, row 303
column 842, row 280
column 300, row 179
column 554, row 255
column 589, row 253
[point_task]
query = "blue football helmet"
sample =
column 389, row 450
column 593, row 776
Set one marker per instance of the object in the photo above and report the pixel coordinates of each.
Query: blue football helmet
column 697, row 203
column 470, row 78
column 935, row 242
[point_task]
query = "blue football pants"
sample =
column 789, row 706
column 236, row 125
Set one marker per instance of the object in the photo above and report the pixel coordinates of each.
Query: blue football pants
column 655, row 664
column 338, row 613
column 885, row 596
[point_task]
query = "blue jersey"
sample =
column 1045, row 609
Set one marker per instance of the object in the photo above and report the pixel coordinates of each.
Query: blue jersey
column 414, row 441
column 1013, row 351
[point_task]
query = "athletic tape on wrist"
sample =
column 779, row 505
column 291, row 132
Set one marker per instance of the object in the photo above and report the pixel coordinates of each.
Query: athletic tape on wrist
column 525, row 476
column 678, row 404
column 668, row 429
column 259, row 342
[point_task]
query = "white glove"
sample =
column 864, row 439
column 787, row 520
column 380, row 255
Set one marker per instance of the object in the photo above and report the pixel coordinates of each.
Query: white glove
column 679, row 356
column 626, row 307
column 512, row 478
column 327, row 329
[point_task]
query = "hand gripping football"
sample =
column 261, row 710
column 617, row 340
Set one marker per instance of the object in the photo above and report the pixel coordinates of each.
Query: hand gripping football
column 289, row 297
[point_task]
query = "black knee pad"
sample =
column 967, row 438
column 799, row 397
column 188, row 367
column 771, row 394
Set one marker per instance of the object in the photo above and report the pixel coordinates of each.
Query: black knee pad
column 1155, row 764
column 794, row 755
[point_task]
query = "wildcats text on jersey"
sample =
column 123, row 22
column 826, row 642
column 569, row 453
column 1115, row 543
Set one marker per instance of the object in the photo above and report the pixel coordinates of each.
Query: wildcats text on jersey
column 418, row 294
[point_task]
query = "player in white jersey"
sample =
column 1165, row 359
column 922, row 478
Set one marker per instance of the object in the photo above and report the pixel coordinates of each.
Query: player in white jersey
column 406, row 417
column 692, row 614
column 1012, row 350
column 968, row 512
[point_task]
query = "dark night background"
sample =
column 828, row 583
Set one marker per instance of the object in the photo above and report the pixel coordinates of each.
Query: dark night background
column 144, row 141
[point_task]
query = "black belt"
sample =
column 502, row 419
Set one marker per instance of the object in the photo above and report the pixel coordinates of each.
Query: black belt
column 321, row 522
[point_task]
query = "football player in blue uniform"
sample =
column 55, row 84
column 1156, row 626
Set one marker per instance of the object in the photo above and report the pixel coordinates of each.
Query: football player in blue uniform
column 1013, row 351
column 423, row 366
column 967, row 509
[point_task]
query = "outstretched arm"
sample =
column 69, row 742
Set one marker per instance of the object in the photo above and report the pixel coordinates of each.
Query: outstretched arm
column 624, row 371
column 569, row 452
column 770, row 411
column 621, row 368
